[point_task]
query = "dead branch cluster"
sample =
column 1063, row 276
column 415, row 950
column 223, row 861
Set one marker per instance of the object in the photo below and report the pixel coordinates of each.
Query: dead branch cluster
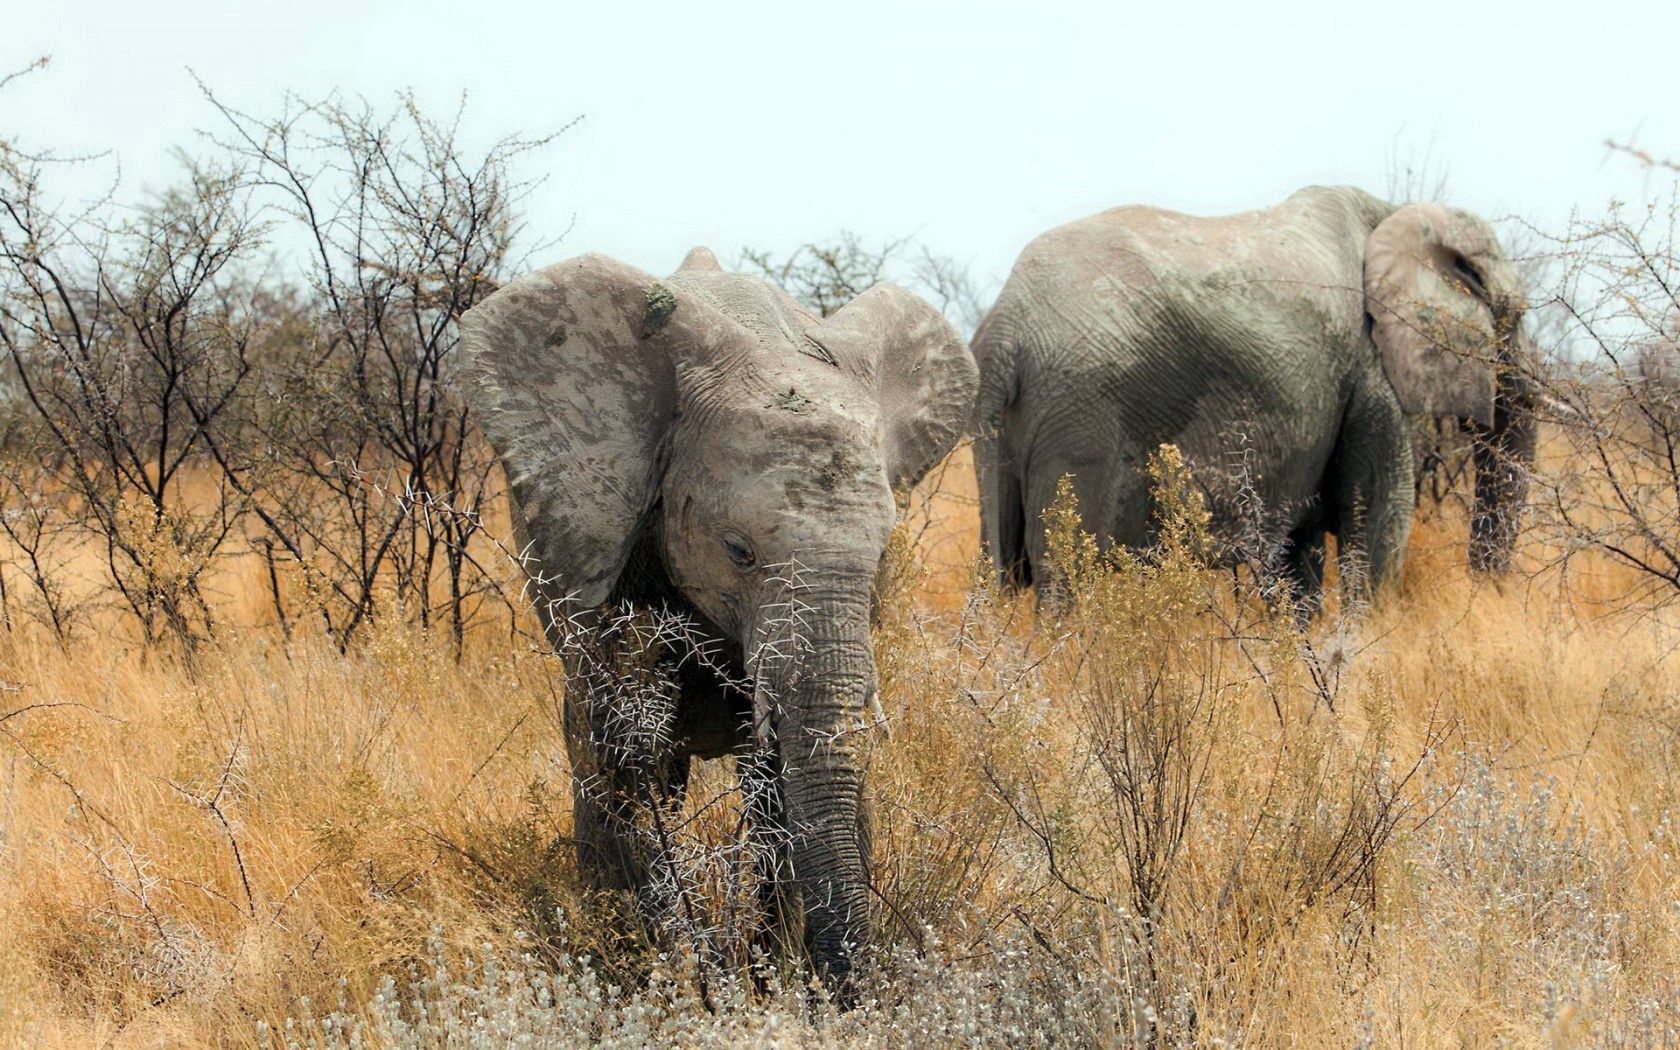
column 256, row 365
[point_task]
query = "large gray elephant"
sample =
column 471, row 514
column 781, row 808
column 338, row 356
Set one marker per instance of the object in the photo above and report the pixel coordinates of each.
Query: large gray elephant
column 1281, row 350
column 701, row 445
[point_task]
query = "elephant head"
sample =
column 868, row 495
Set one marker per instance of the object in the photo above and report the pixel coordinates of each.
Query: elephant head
column 759, row 449
column 1445, row 308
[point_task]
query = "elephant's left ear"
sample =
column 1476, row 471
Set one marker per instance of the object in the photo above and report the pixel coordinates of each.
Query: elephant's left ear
column 924, row 376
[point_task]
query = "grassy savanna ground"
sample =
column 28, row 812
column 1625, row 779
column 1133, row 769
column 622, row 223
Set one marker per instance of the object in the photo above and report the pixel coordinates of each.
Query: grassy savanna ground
column 1164, row 814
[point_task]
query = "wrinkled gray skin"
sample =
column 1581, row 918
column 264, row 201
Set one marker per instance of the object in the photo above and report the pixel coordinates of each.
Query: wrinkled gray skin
column 677, row 444
column 1657, row 400
column 1297, row 337
column 1658, row 365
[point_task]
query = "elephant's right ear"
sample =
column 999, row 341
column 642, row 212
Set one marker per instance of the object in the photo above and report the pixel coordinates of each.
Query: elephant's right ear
column 572, row 373
column 1441, row 297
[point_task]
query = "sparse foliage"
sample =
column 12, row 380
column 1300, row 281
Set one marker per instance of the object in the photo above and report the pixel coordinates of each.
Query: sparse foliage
column 369, row 472
column 202, row 403
column 1612, row 487
column 127, row 346
column 826, row 275
column 1153, row 811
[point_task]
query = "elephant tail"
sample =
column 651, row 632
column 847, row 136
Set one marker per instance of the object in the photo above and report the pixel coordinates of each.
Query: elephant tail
column 996, row 461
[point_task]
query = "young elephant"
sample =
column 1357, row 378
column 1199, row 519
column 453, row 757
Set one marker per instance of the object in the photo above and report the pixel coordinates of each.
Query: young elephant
column 702, row 445
column 1286, row 345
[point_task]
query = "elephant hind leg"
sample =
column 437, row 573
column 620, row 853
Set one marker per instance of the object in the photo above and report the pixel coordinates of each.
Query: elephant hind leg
column 1370, row 485
column 1114, row 505
column 1016, row 567
column 1303, row 572
column 1003, row 513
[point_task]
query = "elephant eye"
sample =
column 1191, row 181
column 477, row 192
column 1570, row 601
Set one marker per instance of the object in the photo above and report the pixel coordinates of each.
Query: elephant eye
column 740, row 551
column 1466, row 271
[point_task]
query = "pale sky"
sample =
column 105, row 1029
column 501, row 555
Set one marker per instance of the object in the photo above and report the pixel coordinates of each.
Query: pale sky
column 971, row 126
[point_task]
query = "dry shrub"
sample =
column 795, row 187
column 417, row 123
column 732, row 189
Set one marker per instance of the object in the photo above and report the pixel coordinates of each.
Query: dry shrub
column 1154, row 786
column 1611, row 393
column 1159, row 814
column 243, row 832
column 1153, row 812
column 190, row 394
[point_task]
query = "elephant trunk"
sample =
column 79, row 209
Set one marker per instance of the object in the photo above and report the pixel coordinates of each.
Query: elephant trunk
column 817, row 700
column 1503, row 456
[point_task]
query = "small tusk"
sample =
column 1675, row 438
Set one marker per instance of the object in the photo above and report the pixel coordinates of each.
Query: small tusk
column 879, row 714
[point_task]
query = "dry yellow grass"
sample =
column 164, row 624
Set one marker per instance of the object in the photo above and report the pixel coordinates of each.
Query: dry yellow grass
column 192, row 849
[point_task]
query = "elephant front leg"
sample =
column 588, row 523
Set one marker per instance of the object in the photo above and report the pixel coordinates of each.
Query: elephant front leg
column 627, row 777
column 780, row 910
